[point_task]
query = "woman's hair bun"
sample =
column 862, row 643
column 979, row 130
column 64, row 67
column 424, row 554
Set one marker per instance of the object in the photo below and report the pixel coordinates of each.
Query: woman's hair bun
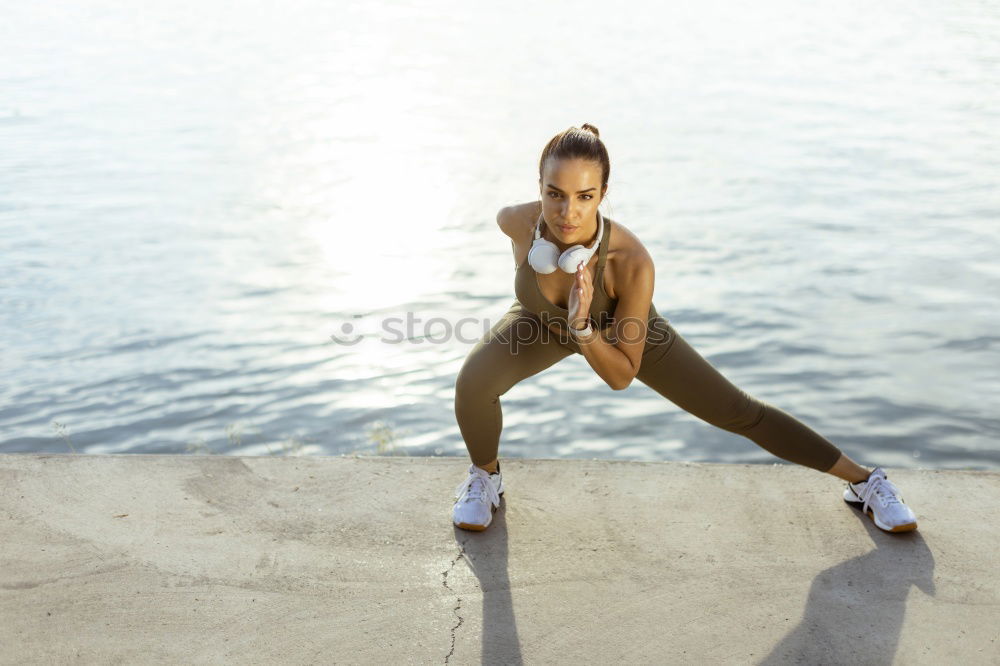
column 578, row 143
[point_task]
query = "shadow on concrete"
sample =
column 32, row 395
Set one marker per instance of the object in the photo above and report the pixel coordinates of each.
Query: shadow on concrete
column 486, row 553
column 855, row 610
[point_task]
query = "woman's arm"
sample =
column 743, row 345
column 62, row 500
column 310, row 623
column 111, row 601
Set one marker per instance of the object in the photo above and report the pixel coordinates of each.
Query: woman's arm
column 617, row 361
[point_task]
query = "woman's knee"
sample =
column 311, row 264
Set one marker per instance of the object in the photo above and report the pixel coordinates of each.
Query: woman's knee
column 474, row 381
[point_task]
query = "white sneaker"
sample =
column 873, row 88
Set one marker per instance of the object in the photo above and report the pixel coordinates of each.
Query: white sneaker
column 477, row 498
column 879, row 499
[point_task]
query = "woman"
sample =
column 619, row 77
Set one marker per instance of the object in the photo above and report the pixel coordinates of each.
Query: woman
column 584, row 285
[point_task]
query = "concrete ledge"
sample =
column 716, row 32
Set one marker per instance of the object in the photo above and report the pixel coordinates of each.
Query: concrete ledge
column 199, row 559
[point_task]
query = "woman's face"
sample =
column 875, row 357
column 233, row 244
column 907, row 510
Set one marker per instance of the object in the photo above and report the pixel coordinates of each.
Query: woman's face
column 571, row 192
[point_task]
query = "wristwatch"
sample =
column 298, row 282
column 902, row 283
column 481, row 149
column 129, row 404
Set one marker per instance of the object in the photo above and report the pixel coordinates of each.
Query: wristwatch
column 581, row 333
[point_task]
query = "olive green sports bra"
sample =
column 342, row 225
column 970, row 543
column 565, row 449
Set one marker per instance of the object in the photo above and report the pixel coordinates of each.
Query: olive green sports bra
column 602, row 306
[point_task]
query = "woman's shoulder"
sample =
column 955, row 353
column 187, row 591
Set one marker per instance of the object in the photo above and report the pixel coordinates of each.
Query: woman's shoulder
column 518, row 220
column 629, row 264
column 625, row 248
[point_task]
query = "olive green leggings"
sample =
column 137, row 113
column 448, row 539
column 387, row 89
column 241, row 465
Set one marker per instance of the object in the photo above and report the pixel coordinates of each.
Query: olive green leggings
column 519, row 346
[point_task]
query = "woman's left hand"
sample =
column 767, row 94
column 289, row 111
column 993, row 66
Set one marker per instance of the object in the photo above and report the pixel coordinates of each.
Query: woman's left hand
column 580, row 295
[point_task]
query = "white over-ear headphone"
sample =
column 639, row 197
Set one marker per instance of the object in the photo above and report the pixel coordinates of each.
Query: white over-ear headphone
column 544, row 255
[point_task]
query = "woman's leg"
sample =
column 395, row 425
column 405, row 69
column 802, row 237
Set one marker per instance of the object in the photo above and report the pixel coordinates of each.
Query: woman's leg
column 848, row 470
column 515, row 348
column 684, row 377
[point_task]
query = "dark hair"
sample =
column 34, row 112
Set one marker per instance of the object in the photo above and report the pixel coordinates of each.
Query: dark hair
column 582, row 142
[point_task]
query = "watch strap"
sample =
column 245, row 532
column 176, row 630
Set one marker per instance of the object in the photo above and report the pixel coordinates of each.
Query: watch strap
column 584, row 332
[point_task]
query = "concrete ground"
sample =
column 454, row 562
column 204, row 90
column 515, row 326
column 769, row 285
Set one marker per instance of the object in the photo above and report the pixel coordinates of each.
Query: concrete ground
column 125, row 559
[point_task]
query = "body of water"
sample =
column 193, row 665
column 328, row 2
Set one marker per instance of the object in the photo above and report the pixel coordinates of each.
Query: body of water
column 194, row 196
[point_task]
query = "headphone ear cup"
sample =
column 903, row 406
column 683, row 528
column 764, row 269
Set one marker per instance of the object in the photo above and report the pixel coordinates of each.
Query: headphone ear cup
column 573, row 256
column 543, row 256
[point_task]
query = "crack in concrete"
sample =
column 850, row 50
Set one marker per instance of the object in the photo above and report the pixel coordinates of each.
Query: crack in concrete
column 458, row 604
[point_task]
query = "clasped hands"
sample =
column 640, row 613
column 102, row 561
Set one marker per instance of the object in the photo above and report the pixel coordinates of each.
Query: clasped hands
column 581, row 293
